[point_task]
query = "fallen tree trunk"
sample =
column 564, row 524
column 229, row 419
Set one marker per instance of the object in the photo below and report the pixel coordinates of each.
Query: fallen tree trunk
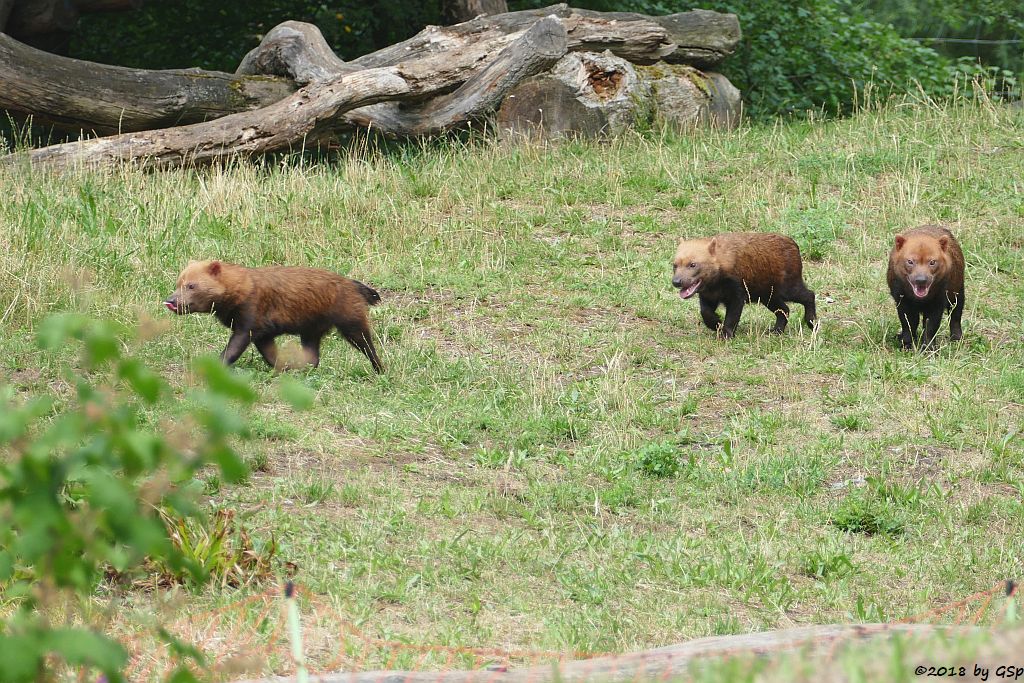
column 537, row 50
column 76, row 95
column 658, row 664
column 101, row 99
column 300, row 116
column 311, row 112
column 586, row 95
column 297, row 51
column 636, row 37
column 453, row 76
column 589, row 95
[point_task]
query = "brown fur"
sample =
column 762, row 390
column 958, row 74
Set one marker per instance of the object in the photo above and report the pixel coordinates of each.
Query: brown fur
column 926, row 278
column 739, row 268
column 259, row 304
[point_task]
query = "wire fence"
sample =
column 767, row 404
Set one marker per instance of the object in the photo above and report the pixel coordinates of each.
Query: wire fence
column 296, row 632
column 973, row 41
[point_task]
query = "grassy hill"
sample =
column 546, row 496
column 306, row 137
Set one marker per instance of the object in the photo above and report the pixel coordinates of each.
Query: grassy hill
column 560, row 456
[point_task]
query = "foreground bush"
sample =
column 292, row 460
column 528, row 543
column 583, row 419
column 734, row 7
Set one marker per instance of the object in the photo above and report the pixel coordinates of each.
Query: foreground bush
column 86, row 482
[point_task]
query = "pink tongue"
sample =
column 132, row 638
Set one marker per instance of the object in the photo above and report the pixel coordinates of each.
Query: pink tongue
column 920, row 292
column 688, row 292
column 170, row 306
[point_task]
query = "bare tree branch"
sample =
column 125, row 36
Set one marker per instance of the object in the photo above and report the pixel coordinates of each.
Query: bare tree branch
column 97, row 98
column 312, row 112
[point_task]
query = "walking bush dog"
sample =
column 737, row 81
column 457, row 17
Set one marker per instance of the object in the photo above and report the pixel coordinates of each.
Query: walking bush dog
column 926, row 278
column 260, row 304
column 739, row 268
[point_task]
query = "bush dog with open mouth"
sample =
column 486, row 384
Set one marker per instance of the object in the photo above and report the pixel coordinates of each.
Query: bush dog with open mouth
column 737, row 268
column 926, row 278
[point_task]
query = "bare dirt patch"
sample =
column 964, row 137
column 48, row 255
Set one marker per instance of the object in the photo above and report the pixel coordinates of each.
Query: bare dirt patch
column 25, row 377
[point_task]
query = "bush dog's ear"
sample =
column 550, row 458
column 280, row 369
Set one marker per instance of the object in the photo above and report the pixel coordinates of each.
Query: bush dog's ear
column 900, row 241
column 214, row 269
column 711, row 246
column 944, row 242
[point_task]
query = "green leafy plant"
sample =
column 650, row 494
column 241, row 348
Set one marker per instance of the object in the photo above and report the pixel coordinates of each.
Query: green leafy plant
column 221, row 549
column 827, row 564
column 87, row 486
column 659, row 459
column 860, row 513
column 849, row 422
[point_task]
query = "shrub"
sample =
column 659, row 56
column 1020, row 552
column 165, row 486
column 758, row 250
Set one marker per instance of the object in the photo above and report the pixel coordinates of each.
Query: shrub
column 988, row 31
column 815, row 54
column 86, row 484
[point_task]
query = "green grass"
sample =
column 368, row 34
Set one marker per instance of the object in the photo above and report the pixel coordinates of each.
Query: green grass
column 560, row 456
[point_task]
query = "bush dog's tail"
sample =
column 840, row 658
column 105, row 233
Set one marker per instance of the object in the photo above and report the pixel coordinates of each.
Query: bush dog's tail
column 369, row 293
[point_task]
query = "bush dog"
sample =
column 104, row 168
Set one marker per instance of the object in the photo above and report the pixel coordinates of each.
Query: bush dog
column 739, row 268
column 926, row 278
column 258, row 304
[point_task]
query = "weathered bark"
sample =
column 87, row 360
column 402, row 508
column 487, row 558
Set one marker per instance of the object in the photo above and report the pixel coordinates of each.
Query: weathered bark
column 636, row 37
column 464, row 71
column 455, row 11
column 726, row 105
column 704, row 38
column 294, row 50
column 590, row 95
column 684, row 96
column 459, row 51
column 103, row 99
column 586, row 95
column 304, row 114
column 536, row 51
column 658, row 664
column 303, row 117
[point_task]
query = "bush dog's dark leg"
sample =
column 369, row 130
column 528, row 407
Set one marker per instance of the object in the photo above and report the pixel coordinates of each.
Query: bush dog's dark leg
column 932, row 322
column 909, row 320
column 955, row 330
column 806, row 299
column 267, row 349
column 359, row 337
column 311, row 347
column 781, row 311
column 709, row 313
column 237, row 345
column 733, row 310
